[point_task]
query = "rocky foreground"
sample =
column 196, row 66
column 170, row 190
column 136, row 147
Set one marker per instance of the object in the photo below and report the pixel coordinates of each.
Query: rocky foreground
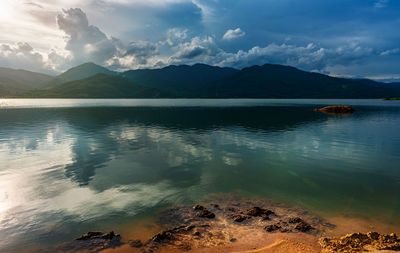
column 359, row 242
column 228, row 225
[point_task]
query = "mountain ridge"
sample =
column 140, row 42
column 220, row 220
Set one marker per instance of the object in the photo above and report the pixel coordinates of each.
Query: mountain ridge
column 279, row 81
column 79, row 72
column 205, row 81
column 98, row 86
column 182, row 78
column 13, row 81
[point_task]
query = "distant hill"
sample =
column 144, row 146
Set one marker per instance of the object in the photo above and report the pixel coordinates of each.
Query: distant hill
column 184, row 80
column 278, row 81
column 13, row 81
column 77, row 73
column 202, row 81
column 83, row 71
column 98, row 86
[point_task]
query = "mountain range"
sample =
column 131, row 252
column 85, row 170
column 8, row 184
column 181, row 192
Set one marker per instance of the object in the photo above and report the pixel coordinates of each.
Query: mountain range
column 196, row 81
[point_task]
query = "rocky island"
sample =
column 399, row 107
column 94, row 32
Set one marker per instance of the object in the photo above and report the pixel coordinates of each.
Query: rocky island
column 336, row 109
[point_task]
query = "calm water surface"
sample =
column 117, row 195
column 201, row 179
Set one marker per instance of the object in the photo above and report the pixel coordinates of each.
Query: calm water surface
column 69, row 166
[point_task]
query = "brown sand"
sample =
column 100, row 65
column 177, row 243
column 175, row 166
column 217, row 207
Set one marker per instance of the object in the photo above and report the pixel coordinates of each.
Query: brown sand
column 228, row 235
column 222, row 234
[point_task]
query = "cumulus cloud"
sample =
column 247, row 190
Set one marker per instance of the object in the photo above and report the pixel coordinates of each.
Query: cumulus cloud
column 85, row 42
column 21, row 55
column 175, row 35
column 197, row 47
column 147, row 2
column 141, row 49
column 138, row 54
column 233, row 34
column 308, row 57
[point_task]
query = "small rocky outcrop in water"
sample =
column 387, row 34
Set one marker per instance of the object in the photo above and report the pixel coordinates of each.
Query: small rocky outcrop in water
column 97, row 235
column 203, row 212
column 336, row 109
column 291, row 225
column 303, row 226
column 257, row 211
column 239, row 217
column 92, row 242
column 358, row 242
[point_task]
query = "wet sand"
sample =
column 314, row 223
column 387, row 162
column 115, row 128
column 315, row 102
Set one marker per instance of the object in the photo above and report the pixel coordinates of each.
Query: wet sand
column 230, row 224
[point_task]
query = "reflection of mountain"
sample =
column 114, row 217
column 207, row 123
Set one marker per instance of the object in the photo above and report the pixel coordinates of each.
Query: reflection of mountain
column 157, row 144
column 152, row 144
column 190, row 118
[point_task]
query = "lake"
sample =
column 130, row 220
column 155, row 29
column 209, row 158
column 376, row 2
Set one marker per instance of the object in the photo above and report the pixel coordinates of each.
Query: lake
column 68, row 166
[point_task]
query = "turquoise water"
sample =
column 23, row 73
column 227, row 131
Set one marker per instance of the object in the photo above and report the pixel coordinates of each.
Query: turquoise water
column 69, row 166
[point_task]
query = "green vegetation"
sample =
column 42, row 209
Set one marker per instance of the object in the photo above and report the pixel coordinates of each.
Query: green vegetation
column 15, row 81
column 198, row 81
column 277, row 81
column 78, row 73
column 98, row 86
column 183, row 80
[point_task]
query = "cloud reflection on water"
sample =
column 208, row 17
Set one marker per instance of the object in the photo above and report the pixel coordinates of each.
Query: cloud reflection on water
column 76, row 166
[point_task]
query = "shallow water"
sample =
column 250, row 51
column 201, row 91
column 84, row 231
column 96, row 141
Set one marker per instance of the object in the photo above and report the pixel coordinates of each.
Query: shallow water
column 70, row 166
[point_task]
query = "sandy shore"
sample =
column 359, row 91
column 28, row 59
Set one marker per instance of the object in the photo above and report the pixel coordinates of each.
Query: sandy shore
column 233, row 225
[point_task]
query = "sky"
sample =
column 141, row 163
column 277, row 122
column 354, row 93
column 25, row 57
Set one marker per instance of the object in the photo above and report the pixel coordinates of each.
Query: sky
column 357, row 38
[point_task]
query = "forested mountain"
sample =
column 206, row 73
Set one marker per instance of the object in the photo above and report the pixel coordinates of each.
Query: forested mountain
column 197, row 81
column 99, row 86
column 13, row 81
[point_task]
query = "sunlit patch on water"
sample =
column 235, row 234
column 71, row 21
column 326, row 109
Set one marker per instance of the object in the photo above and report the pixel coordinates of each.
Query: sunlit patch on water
column 3, row 103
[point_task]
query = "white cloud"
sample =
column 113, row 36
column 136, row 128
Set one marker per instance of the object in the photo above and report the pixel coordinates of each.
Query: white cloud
column 145, row 2
column 195, row 48
column 175, row 35
column 381, row 3
column 140, row 54
column 85, row 42
column 233, row 34
column 21, row 55
column 309, row 57
column 390, row 52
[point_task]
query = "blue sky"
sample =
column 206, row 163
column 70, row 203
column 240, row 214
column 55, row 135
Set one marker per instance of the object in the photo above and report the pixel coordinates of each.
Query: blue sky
column 340, row 38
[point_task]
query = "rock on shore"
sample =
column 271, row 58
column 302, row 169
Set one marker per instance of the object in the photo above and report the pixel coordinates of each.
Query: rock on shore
column 225, row 223
column 91, row 242
column 358, row 242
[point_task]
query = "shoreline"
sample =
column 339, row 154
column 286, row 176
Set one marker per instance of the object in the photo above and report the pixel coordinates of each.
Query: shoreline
column 232, row 224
